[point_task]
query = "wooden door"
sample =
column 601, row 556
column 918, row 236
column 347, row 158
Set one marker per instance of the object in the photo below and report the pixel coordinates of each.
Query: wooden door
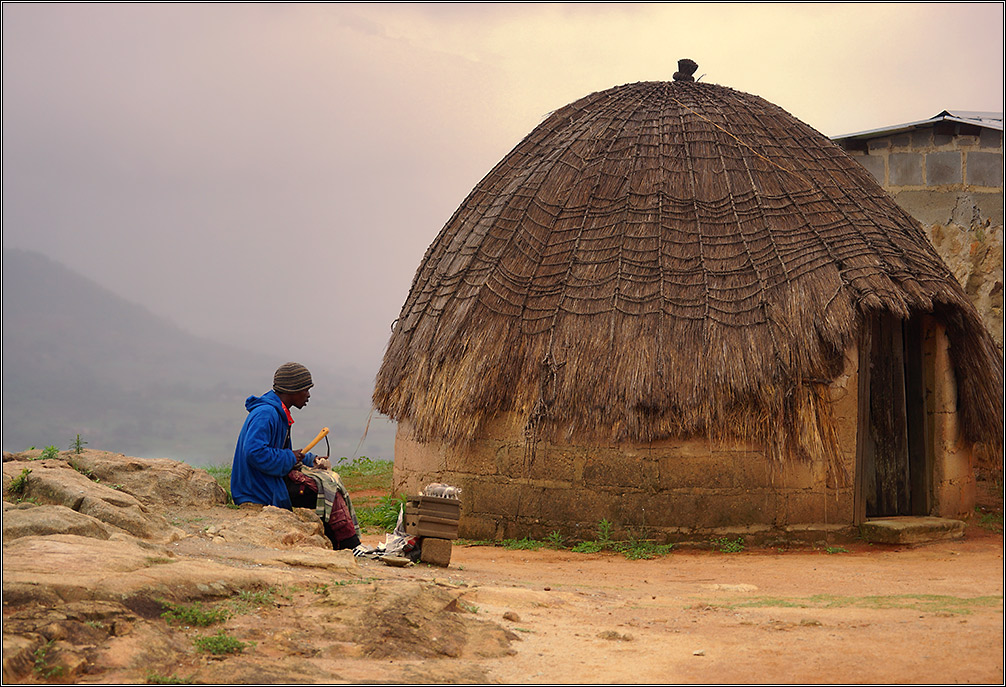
column 893, row 467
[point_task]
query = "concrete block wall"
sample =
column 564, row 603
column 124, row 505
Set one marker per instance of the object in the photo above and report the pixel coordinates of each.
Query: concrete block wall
column 950, row 178
column 671, row 489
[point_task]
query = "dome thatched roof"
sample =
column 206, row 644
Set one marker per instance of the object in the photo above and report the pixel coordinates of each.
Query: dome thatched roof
column 666, row 259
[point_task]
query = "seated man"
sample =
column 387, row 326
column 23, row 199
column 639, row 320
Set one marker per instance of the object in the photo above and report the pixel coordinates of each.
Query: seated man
column 263, row 457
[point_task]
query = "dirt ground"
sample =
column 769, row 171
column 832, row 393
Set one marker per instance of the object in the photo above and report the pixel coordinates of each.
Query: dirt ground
column 926, row 614
column 873, row 614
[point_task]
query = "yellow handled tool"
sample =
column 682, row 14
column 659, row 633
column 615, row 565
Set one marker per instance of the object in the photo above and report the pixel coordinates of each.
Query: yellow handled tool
column 321, row 435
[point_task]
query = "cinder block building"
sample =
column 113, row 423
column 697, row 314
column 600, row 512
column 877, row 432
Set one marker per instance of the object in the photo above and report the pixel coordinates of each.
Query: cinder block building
column 947, row 172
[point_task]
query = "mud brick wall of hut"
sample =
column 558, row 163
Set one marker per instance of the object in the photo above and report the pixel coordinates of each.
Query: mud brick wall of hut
column 675, row 489
column 949, row 176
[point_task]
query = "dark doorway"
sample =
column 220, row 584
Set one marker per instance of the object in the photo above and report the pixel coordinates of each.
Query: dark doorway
column 894, row 465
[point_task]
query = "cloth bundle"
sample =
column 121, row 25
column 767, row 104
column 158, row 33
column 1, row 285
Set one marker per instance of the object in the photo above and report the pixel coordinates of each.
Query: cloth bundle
column 333, row 504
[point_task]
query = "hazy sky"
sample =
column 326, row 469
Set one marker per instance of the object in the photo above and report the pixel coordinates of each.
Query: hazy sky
column 271, row 174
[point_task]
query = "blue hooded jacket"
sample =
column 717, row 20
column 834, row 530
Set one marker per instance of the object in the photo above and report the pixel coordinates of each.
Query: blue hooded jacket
column 263, row 455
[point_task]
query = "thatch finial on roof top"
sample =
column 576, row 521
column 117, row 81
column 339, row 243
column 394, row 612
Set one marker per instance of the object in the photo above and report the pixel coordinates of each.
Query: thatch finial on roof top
column 686, row 68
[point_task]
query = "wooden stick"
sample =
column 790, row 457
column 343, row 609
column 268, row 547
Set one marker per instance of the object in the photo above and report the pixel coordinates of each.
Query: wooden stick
column 321, row 435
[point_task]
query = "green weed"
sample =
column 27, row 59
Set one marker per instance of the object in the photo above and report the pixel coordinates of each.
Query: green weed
column 726, row 545
column 588, row 547
column 604, row 531
column 836, row 549
column 42, row 667
column 77, row 445
column 49, row 452
column 86, row 472
column 19, row 484
column 643, row 549
column 602, row 543
column 219, row 644
column 194, row 614
column 555, row 540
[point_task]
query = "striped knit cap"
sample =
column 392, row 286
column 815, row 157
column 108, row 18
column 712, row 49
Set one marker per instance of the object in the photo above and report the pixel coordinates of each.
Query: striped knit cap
column 291, row 378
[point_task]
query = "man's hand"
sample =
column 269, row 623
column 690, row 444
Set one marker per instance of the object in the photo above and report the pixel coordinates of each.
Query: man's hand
column 299, row 455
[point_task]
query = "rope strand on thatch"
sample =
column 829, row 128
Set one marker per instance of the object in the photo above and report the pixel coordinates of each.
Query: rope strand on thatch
column 697, row 258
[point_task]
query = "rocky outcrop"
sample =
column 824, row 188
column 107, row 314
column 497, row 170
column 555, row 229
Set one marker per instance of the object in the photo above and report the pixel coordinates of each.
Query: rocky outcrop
column 98, row 546
column 157, row 482
column 56, row 482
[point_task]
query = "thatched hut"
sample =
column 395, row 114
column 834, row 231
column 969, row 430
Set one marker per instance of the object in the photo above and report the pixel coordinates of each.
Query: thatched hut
column 676, row 307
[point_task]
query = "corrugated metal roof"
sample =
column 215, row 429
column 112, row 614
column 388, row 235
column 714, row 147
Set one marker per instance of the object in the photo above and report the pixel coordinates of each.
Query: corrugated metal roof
column 988, row 120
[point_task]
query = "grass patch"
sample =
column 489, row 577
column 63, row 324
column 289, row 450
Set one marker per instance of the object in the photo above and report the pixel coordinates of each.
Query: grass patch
column 155, row 679
column 219, row 644
column 525, row 544
column 159, row 560
column 247, row 602
column 633, row 549
column 384, row 515
column 989, row 520
column 194, row 614
column 923, row 603
column 365, row 474
column 222, row 474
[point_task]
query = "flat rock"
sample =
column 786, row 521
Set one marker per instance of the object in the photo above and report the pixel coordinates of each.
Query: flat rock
column 73, row 568
column 43, row 520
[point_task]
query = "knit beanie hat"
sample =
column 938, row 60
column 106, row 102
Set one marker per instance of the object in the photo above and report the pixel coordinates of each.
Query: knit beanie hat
column 291, row 378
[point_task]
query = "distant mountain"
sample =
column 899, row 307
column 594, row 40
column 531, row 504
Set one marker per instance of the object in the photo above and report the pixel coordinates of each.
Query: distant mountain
column 79, row 359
